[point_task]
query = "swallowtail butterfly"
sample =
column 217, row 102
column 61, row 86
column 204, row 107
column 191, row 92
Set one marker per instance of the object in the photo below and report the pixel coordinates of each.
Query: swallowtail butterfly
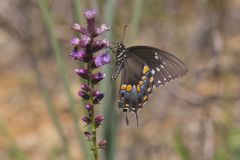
column 143, row 68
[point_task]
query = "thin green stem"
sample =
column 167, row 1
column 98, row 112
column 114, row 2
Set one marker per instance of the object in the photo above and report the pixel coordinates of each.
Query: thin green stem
column 61, row 65
column 110, row 115
column 137, row 8
column 92, row 115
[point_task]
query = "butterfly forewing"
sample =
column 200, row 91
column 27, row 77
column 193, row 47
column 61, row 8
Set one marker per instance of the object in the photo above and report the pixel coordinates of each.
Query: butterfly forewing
column 165, row 65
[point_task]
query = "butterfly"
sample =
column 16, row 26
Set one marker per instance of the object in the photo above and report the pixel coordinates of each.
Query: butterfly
column 143, row 68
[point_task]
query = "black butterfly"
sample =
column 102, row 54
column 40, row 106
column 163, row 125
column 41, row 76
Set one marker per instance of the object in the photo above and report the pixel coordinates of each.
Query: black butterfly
column 143, row 68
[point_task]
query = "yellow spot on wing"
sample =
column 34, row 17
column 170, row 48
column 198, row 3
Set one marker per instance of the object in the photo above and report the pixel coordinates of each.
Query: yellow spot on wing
column 149, row 89
column 144, row 78
column 151, row 79
column 145, row 98
column 140, row 83
column 138, row 88
column 145, row 69
column 129, row 88
column 124, row 86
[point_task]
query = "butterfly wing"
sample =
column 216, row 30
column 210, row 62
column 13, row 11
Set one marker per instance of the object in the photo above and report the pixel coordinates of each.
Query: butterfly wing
column 144, row 68
column 165, row 65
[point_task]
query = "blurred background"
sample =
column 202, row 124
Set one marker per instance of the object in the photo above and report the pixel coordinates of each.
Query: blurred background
column 192, row 118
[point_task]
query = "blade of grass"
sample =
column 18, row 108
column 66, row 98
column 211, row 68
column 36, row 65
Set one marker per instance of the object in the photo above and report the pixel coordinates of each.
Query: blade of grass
column 137, row 10
column 78, row 8
column 110, row 122
column 15, row 151
column 62, row 68
column 49, row 103
column 181, row 148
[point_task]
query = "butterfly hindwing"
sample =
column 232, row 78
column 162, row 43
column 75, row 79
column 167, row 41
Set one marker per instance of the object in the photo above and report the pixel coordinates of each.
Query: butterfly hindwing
column 136, row 84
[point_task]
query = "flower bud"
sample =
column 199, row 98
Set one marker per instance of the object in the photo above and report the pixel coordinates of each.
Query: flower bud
column 90, row 15
column 98, row 98
column 75, row 41
column 101, row 60
column 76, row 27
column 80, row 29
column 85, row 87
column 88, row 107
column 97, row 77
column 84, row 95
column 79, row 55
column 84, row 41
column 98, row 120
column 89, row 135
column 85, row 119
column 84, row 73
column 102, row 144
column 100, row 44
column 103, row 28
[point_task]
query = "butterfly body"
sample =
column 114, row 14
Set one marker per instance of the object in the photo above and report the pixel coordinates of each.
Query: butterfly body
column 143, row 68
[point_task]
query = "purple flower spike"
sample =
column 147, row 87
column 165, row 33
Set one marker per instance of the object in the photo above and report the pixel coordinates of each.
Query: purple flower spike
column 84, row 41
column 97, row 77
column 102, row 60
column 102, row 29
column 89, row 135
column 100, row 44
column 85, row 87
column 89, row 107
column 86, row 119
column 98, row 120
column 79, row 55
column 84, row 95
column 102, row 144
column 84, row 73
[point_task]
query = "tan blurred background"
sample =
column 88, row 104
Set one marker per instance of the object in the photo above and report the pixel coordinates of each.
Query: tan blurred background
column 193, row 118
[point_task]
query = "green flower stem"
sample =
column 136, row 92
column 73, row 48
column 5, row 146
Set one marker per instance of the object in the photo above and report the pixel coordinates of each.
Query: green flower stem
column 93, row 126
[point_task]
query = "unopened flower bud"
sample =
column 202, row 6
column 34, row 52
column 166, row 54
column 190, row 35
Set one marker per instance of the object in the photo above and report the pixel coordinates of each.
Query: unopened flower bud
column 84, row 95
column 85, row 87
column 86, row 119
column 84, row 73
column 98, row 98
column 98, row 120
column 103, row 28
column 89, row 107
column 100, row 44
column 97, row 77
column 89, row 135
column 102, row 144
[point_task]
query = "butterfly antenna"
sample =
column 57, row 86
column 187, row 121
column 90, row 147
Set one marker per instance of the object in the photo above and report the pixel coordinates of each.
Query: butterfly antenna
column 126, row 118
column 137, row 118
column 124, row 32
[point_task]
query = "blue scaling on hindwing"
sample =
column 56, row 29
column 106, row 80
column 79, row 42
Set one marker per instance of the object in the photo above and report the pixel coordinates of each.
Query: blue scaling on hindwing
column 132, row 97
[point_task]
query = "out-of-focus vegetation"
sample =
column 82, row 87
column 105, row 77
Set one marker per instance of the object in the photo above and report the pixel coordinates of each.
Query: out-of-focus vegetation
column 192, row 118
